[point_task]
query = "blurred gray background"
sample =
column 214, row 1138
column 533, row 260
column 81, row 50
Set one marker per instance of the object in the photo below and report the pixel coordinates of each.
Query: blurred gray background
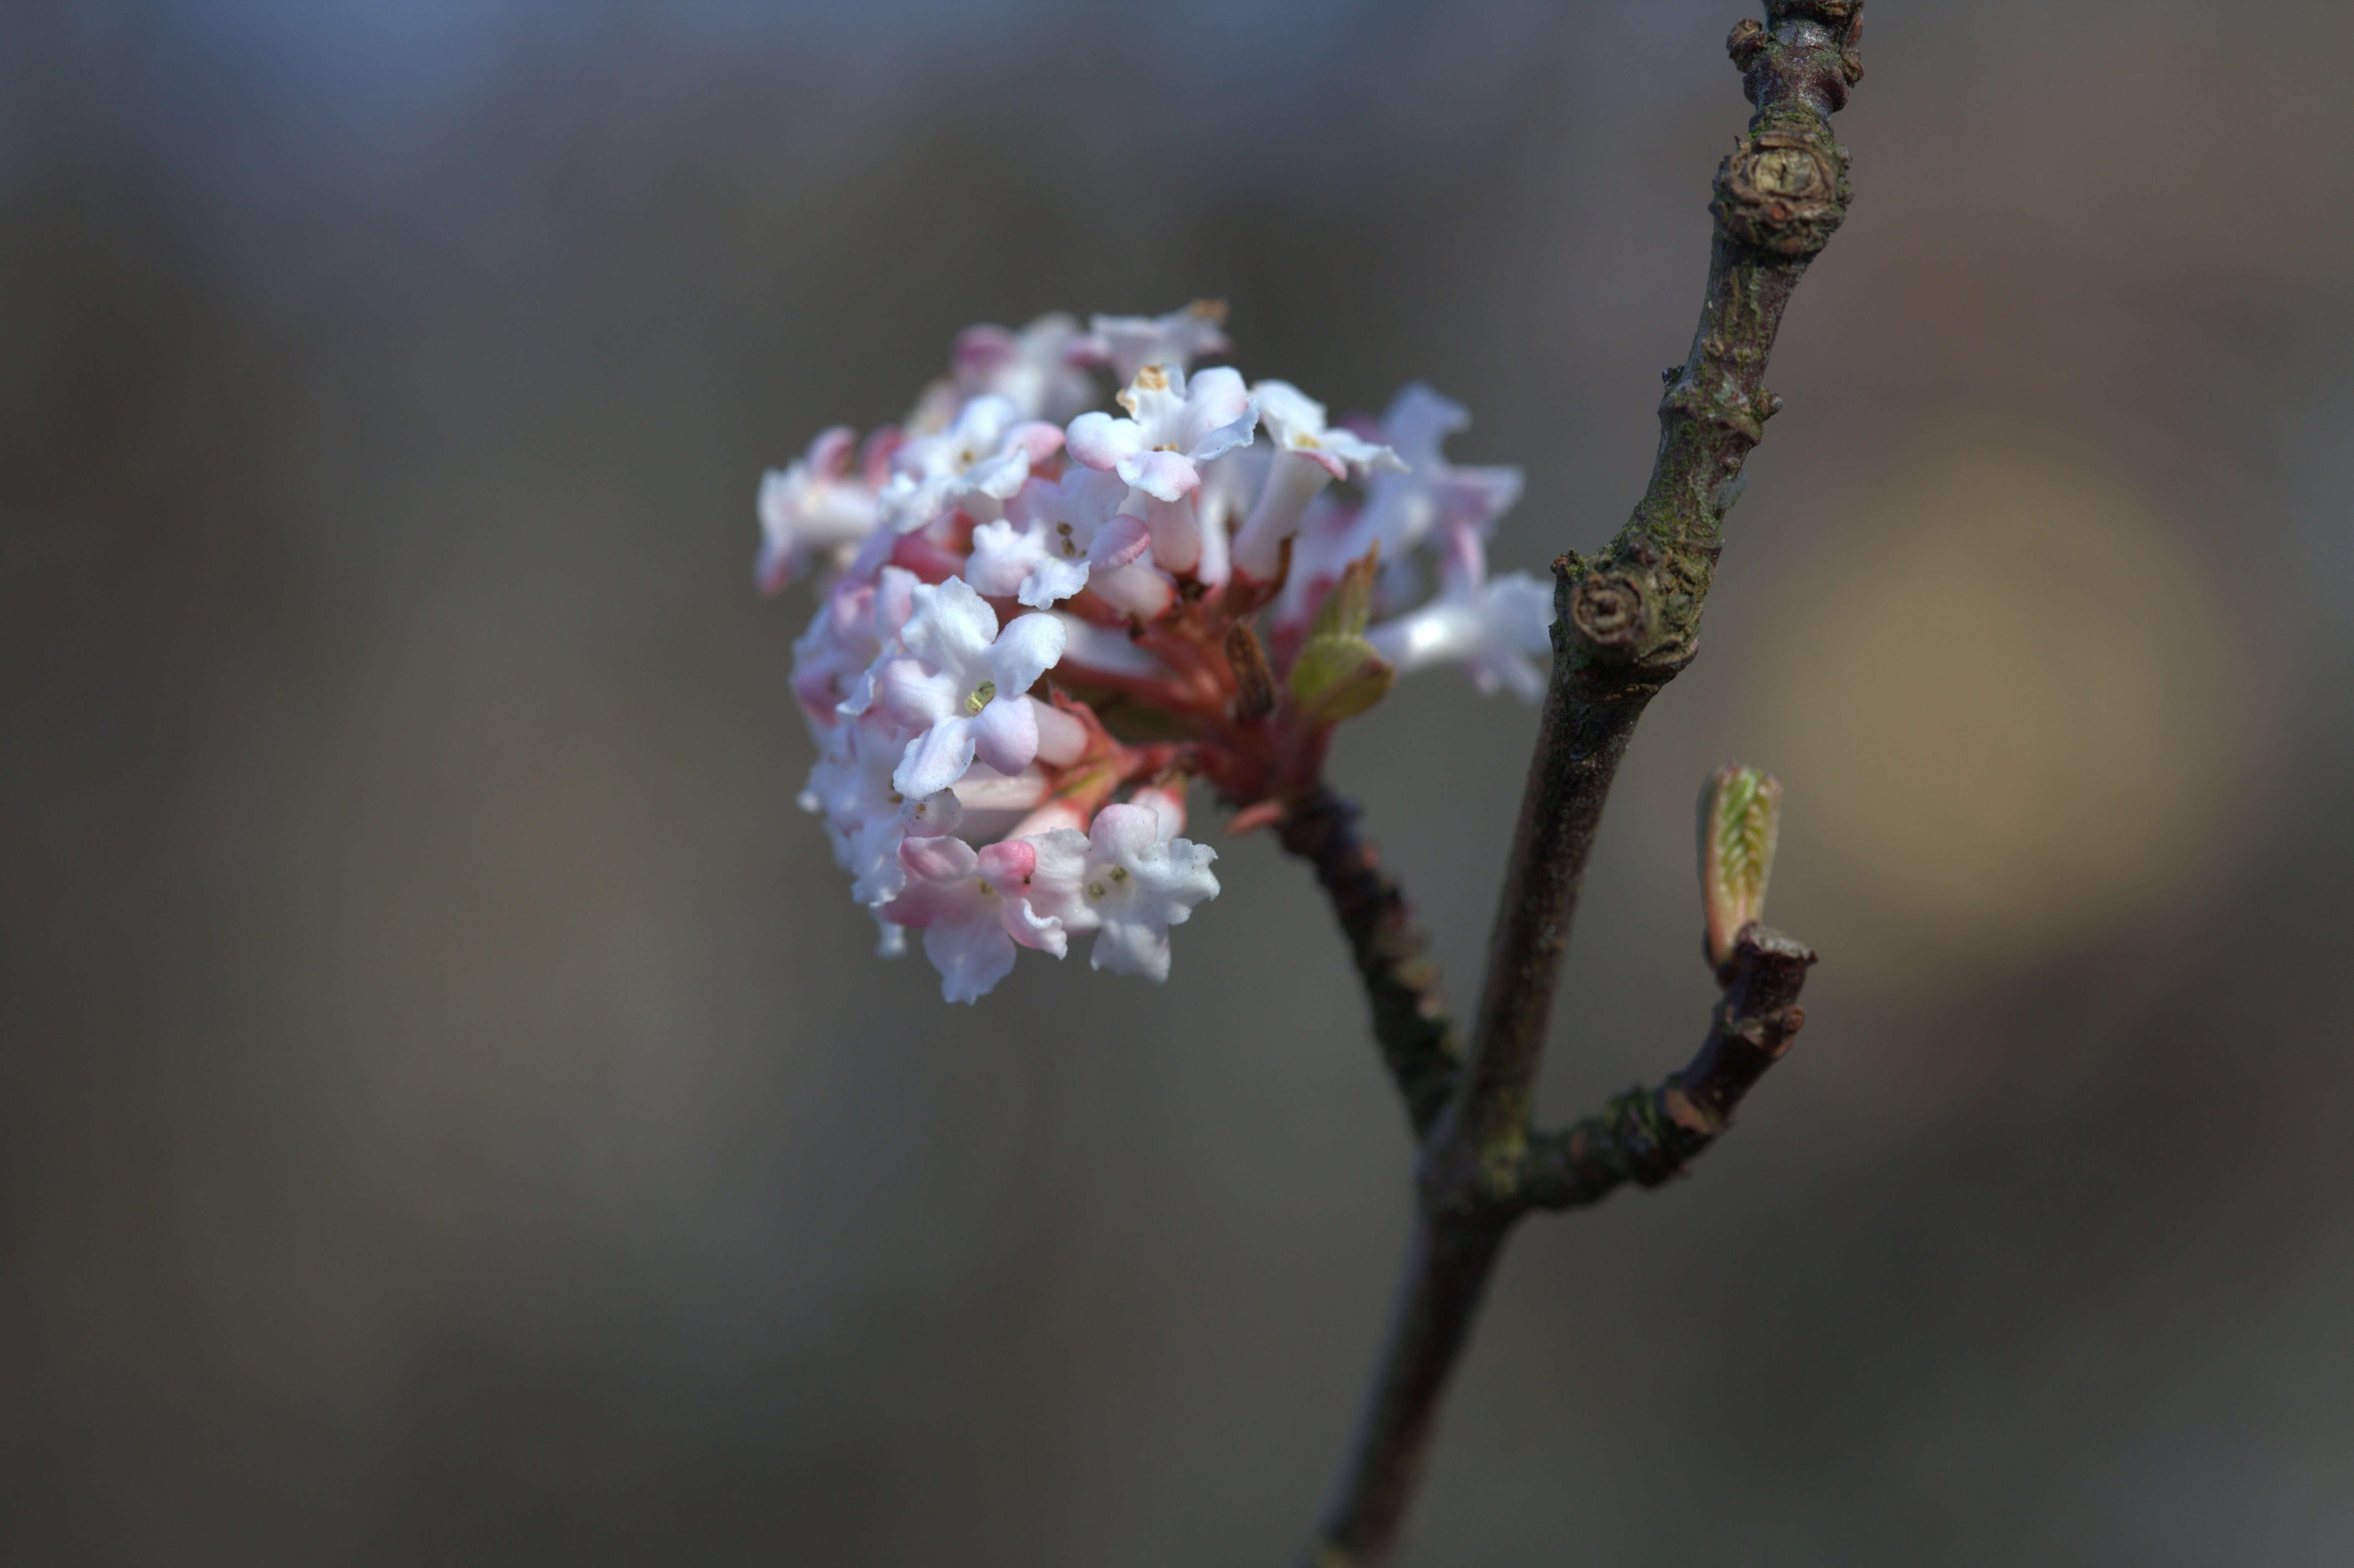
column 449, row 1111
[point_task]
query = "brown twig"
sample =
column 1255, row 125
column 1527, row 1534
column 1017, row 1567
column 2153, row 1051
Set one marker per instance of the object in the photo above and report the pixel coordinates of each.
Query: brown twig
column 1625, row 624
column 1645, row 1136
column 1410, row 1025
column 1649, row 1135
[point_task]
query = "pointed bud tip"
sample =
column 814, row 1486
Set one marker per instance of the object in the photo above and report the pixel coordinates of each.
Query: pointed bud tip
column 1740, row 822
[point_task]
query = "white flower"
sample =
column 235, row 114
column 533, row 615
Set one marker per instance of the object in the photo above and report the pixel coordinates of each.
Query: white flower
column 1106, row 652
column 1129, row 344
column 855, row 623
column 1173, row 430
column 1295, row 422
column 1310, row 455
column 962, row 689
column 1034, row 369
column 973, row 908
column 1404, row 509
column 1053, row 535
column 982, row 458
column 1490, row 627
column 865, row 816
column 1126, row 882
column 816, row 508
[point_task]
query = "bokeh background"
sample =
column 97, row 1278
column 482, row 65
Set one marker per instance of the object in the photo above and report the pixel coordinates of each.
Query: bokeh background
column 449, row 1111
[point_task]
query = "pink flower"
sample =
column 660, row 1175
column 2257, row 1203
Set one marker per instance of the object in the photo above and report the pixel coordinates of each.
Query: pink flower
column 1295, row 422
column 919, row 692
column 973, row 909
column 1129, row 344
column 1173, row 429
column 1310, row 455
column 1054, row 535
column 1034, row 369
column 1404, row 509
column 855, row 623
column 865, row 816
column 1492, row 627
column 817, row 507
column 1126, row 881
column 982, row 458
column 962, row 690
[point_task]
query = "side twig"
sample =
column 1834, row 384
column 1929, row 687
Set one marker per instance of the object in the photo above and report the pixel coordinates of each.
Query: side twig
column 1625, row 624
column 1411, row 1025
column 1649, row 1135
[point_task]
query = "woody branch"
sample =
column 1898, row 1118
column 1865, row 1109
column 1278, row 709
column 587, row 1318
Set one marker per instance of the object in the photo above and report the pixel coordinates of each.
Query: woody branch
column 1626, row 622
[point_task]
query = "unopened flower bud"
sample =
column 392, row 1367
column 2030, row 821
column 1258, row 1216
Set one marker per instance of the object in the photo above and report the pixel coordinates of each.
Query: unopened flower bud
column 1338, row 677
column 1740, row 817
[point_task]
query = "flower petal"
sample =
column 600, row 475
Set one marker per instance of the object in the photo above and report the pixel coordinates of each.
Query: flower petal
column 1005, row 734
column 1052, row 579
column 972, row 956
column 1118, row 542
column 1098, row 440
column 951, row 627
column 1028, row 647
column 1003, row 556
column 937, row 758
column 1164, row 476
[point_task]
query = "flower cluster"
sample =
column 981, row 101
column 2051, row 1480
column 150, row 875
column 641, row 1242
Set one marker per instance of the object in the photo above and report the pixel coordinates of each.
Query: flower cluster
column 1044, row 620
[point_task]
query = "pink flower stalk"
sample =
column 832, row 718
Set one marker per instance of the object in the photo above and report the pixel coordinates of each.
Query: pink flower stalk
column 997, row 578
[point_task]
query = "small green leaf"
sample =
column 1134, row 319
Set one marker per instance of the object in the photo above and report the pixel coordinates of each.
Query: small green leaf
column 1349, row 603
column 1741, row 817
column 1338, row 677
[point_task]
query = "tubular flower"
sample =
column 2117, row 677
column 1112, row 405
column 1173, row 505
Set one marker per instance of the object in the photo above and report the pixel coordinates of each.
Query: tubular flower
column 1173, row 429
column 816, row 508
column 1037, row 369
column 1053, row 535
column 974, row 908
column 1308, row 456
column 1492, row 627
column 1127, row 881
column 982, row 458
column 999, row 579
column 1129, row 344
column 964, row 688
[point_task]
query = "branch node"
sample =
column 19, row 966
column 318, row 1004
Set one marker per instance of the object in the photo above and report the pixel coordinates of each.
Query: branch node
column 1783, row 191
column 1624, row 625
column 1608, row 610
column 1746, row 42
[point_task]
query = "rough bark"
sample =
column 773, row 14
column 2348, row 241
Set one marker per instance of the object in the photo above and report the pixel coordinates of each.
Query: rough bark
column 1627, row 621
column 1411, row 1025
